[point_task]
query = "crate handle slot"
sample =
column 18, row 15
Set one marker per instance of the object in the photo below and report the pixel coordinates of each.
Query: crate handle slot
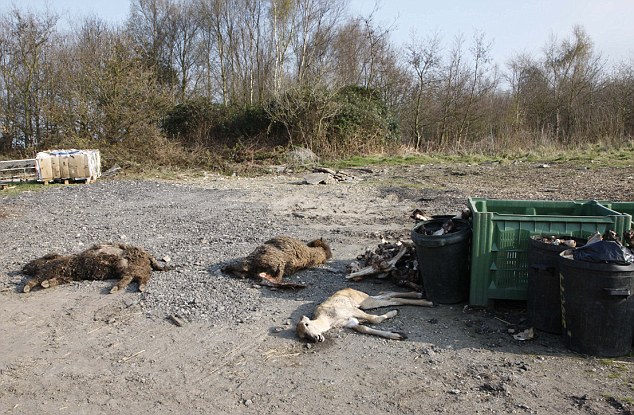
column 617, row 292
column 542, row 268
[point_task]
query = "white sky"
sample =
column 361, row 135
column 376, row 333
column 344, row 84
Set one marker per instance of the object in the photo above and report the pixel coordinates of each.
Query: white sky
column 514, row 26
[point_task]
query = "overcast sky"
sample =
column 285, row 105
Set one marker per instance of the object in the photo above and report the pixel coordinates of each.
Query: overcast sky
column 514, row 26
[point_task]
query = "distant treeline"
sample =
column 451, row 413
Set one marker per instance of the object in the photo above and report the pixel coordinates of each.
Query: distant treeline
column 238, row 78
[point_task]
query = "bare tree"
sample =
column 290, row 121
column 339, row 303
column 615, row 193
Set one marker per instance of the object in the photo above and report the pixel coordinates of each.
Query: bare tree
column 358, row 49
column 481, row 83
column 571, row 69
column 282, row 20
column 185, row 35
column 452, row 88
column 151, row 27
column 217, row 31
column 25, row 44
column 423, row 57
column 317, row 23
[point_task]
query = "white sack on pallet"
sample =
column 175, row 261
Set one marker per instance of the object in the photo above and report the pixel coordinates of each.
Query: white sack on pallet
column 68, row 164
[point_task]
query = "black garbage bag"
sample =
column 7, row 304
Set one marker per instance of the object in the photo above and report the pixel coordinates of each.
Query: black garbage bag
column 607, row 252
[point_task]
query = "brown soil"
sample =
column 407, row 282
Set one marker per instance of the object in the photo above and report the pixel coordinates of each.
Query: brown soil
column 75, row 349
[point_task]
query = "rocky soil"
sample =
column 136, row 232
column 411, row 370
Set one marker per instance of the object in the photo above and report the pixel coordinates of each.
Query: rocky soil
column 76, row 349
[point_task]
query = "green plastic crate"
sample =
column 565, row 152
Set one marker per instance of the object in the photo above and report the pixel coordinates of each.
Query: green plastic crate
column 501, row 233
column 621, row 207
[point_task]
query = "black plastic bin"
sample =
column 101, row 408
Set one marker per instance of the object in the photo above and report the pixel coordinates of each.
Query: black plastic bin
column 597, row 307
column 543, row 301
column 443, row 261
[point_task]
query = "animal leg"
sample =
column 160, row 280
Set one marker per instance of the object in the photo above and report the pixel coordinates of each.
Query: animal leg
column 409, row 284
column 32, row 283
column 239, row 269
column 128, row 273
column 372, row 318
column 157, row 266
column 271, row 281
column 391, row 299
column 143, row 280
column 123, row 283
column 279, row 274
column 50, row 283
column 355, row 325
column 397, row 294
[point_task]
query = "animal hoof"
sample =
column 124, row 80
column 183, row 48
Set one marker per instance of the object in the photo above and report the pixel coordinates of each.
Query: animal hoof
column 401, row 336
column 45, row 284
column 26, row 289
column 114, row 289
column 391, row 313
column 142, row 287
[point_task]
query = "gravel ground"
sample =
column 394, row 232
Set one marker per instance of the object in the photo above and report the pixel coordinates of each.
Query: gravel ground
column 76, row 349
column 196, row 228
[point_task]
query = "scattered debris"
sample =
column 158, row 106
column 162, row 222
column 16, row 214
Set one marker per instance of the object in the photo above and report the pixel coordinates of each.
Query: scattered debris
column 490, row 387
column 628, row 238
column 553, row 240
column 112, row 171
column 596, row 237
column 419, row 216
column 394, row 260
column 604, row 251
column 580, row 400
column 319, row 178
column 527, row 334
column 433, row 229
column 323, row 175
column 177, row 320
column 608, row 247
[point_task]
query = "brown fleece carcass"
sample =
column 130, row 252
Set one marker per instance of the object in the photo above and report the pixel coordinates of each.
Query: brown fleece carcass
column 100, row 262
column 280, row 256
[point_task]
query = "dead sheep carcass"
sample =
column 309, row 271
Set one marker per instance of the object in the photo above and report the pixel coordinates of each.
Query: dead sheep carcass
column 100, row 262
column 278, row 257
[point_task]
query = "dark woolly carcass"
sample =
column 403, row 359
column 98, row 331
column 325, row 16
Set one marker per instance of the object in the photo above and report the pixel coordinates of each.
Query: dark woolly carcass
column 124, row 262
column 278, row 257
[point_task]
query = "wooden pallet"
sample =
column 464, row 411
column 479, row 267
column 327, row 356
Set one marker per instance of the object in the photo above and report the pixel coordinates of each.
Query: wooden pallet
column 18, row 170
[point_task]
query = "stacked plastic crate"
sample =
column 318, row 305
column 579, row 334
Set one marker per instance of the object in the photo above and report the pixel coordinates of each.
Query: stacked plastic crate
column 501, row 234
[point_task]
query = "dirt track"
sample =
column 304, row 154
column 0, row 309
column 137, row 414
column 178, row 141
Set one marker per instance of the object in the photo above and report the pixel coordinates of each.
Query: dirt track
column 75, row 349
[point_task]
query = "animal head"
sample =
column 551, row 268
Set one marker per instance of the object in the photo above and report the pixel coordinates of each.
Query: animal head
column 320, row 243
column 306, row 329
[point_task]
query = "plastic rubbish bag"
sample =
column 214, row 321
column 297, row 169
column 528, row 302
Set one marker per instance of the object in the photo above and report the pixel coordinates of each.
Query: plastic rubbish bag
column 609, row 252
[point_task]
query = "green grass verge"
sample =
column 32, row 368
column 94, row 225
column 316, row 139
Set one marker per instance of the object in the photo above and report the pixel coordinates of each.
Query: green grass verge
column 594, row 156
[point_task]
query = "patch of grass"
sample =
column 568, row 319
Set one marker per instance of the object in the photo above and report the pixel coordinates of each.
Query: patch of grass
column 162, row 173
column 616, row 369
column 597, row 155
column 14, row 189
column 591, row 156
column 401, row 182
column 384, row 160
